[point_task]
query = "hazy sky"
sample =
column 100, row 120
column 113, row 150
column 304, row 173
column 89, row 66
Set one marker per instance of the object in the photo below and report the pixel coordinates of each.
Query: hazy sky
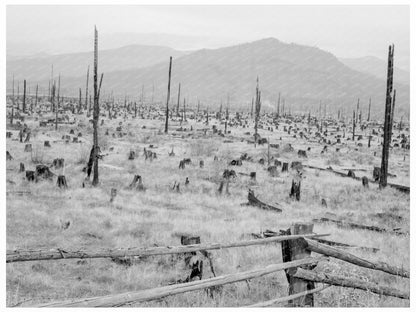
column 346, row 31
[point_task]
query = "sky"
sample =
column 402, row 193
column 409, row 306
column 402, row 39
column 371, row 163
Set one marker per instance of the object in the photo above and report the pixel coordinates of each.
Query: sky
column 346, row 31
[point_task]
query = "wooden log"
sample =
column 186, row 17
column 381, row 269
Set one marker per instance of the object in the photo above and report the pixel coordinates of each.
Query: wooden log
column 164, row 291
column 350, row 258
column 254, row 201
column 350, row 283
column 288, row 298
column 343, row 245
column 295, row 250
column 54, row 254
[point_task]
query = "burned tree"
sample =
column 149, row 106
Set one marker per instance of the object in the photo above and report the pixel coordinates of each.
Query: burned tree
column 179, row 97
column 86, row 88
column 24, row 96
column 96, row 109
column 168, row 96
column 258, row 107
column 387, row 119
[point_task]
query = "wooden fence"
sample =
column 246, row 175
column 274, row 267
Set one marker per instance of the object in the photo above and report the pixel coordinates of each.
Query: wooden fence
column 297, row 263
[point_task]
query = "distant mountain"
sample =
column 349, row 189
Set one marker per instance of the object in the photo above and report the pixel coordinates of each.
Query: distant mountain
column 38, row 67
column 376, row 67
column 303, row 75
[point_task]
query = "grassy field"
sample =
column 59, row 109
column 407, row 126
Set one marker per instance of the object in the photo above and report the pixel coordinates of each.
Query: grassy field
column 159, row 216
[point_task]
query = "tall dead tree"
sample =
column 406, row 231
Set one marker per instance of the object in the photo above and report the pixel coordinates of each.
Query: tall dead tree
column 168, row 96
column 258, row 107
column 226, row 120
column 252, row 106
column 80, row 101
column 184, row 110
column 11, row 117
column 179, row 97
column 369, row 110
column 353, row 125
column 86, row 88
column 387, row 119
column 278, row 106
column 57, row 103
column 358, row 109
column 96, row 109
column 36, row 97
column 24, row 96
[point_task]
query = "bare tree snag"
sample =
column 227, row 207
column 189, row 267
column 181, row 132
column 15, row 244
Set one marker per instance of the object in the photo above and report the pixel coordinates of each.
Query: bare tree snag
column 96, row 110
column 387, row 119
column 24, row 96
column 168, row 96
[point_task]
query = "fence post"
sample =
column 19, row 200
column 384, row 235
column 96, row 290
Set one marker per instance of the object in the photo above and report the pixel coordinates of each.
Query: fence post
column 295, row 250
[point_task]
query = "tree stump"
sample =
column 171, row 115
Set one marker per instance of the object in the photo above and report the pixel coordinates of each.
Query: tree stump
column 8, row 134
column 22, row 167
column 253, row 175
column 364, row 181
column 71, row 131
column 181, row 164
column 272, row 171
column 27, row 137
column 186, row 181
column 376, row 173
column 296, row 250
column 61, row 182
column 351, row 174
column 201, row 164
column 75, row 140
column 302, row 153
column 8, row 156
column 28, row 148
column 277, row 163
column 132, row 155
column 46, row 144
column 285, row 167
column 42, row 171
column 30, row 175
column 191, row 260
column 113, row 194
column 21, row 136
column 58, row 163
column 296, row 165
column 295, row 190
column 137, row 183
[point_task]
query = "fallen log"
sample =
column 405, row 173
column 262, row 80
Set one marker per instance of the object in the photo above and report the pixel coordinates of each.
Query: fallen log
column 360, row 226
column 342, row 245
column 55, row 254
column 288, row 298
column 164, row 291
column 350, row 258
column 335, row 280
column 254, row 201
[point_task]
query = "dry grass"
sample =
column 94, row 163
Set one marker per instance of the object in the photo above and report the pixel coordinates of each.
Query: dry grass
column 159, row 216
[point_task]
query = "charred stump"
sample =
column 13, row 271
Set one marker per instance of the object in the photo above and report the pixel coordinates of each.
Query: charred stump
column 295, row 190
column 61, row 182
column 8, row 156
column 30, row 175
column 22, row 167
column 28, row 147
column 285, row 167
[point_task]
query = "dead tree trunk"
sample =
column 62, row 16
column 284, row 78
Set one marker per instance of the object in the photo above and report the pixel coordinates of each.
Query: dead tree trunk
column 387, row 119
column 61, row 182
column 258, row 106
column 96, row 109
column 369, row 110
column 11, row 117
column 168, row 96
column 79, row 104
column 24, row 96
column 179, row 97
column 57, row 103
column 353, row 125
column 86, row 88
column 36, row 97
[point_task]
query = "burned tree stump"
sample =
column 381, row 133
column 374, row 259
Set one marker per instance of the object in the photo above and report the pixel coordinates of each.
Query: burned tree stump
column 296, row 165
column 21, row 136
column 30, row 175
column 351, row 174
column 28, row 147
column 201, row 164
column 272, row 171
column 61, row 182
column 42, row 171
column 171, row 153
column 376, row 173
column 22, row 167
column 302, row 153
column 58, row 163
column 229, row 174
column 137, row 183
column 253, row 175
column 186, row 181
column 46, row 144
column 295, row 250
column 8, row 135
column 277, row 163
column 191, row 260
column 132, row 155
column 364, row 181
column 8, row 156
column 113, row 194
column 285, row 167
column 254, row 201
column 181, row 164
column 295, row 190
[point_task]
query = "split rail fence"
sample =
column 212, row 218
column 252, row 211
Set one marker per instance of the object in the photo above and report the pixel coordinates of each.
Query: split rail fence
column 297, row 244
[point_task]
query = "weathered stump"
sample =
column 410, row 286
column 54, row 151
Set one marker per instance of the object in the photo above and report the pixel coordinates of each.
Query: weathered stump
column 181, row 164
column 8, row 156
column 132, row 155
column 46, row 144
column 113, row 194
column 28, row 147
column 295, row 190
column 364, row 181
column 302, row 153
column 351, row 174
column 296, row 165
column 376, row 173
column 191, row 260
column 8, row 134
column 58, row 163
column 285, row 167
column 61, row 182
column 42, row 171
column 22, row 167
column 253, row 175
column 137, row 183
column 272, row 171
column 201, row 164
column 30, row 175
column 296, row 250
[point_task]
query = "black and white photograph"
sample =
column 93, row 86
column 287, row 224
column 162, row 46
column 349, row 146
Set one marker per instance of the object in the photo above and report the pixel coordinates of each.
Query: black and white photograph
column 207, row 155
